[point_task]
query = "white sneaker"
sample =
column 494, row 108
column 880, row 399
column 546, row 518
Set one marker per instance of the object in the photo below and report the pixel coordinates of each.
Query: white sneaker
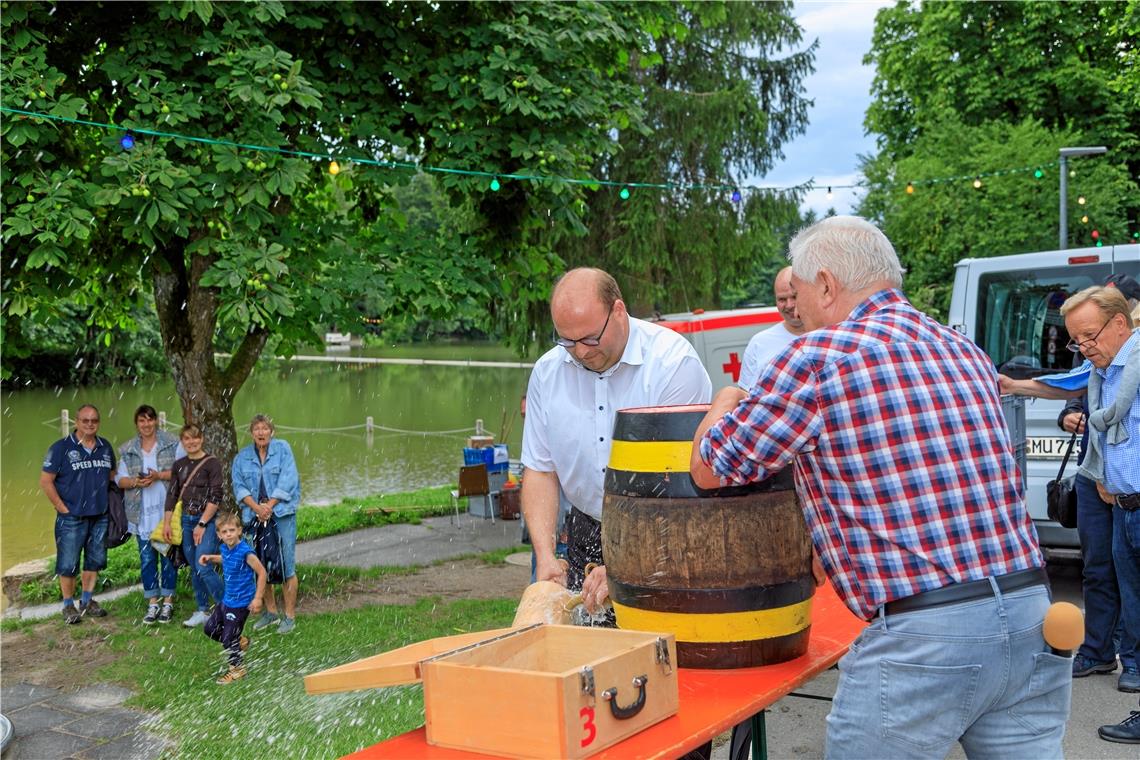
column 195, row 620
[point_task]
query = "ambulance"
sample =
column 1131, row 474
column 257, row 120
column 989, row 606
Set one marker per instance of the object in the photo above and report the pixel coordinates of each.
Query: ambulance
column 720, row 337
column 1010, row 307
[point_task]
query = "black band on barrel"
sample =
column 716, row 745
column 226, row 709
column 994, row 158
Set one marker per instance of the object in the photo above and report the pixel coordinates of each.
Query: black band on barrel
column 673, row 426
column 679, row 485
column 713, row 600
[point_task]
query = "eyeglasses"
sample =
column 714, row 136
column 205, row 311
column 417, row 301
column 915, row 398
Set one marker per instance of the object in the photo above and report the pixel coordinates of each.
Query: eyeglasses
column 595, row 341
column 1076, row 347
column 89, row 420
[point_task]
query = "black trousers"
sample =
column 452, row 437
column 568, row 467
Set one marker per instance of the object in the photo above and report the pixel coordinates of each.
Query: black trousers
column 584, row 546
column 225, row 625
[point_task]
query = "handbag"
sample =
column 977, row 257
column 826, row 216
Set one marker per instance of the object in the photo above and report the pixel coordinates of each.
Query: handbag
column 176, row 519
column 175, row 528
column 267, row 546
column 1061, row 493
column 118, row 531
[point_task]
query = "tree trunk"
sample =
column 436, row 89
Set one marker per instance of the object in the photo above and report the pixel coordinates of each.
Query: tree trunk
column 187, row 317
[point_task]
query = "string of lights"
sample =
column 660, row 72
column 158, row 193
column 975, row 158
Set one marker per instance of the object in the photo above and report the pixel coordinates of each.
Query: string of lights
column 337, row 159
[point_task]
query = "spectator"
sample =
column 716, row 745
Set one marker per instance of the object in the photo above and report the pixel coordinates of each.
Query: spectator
column 76, row 474
column 196, row 481
column 767, row 344
column 245, row 583
column 145, row 464
column 1100, row 323
column 894, row 427
column 268, row 486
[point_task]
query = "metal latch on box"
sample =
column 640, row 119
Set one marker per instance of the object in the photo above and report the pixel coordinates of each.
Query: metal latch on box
column 662, row 648
column 587, row 682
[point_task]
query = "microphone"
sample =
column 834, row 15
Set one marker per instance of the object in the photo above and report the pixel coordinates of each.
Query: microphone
column 1064, row 628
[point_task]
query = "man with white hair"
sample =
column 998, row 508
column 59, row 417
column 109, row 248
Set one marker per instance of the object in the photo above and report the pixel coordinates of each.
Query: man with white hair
column 893, row 425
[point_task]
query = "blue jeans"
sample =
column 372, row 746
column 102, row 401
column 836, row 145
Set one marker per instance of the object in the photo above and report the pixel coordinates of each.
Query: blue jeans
column 977, row 672
column 75, row 534
column 287, row 534
column 1126, row 554
column 1100, row 590
column 205, row 579
column 154, row 584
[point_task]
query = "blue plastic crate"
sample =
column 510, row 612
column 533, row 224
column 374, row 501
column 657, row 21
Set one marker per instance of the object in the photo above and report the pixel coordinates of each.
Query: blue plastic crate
column 495, row 457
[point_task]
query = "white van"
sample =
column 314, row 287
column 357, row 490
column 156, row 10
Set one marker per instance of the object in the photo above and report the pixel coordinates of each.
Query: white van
column 720, row 337
column 1010, row 307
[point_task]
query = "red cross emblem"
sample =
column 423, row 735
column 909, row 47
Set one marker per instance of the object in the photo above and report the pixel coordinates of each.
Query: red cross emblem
column 733, row 366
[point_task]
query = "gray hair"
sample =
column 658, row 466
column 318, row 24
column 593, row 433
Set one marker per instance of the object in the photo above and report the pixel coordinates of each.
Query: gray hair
column 851, row 248
column 258, row 418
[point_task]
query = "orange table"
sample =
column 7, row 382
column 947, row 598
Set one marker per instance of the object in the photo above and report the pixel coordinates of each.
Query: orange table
column 711, row 701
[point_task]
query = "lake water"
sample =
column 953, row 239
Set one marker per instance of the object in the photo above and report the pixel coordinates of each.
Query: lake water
column 307, row 400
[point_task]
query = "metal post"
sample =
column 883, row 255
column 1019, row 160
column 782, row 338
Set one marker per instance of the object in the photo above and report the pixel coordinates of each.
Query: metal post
column 1065, row 154
column 162, row 423
column 1064, row 203
column 368, row 431
column 64, row 423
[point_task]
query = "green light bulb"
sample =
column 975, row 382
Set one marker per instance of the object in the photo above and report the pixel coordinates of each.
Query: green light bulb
column 1038, row 174
column 495, row 185
column 624, row 193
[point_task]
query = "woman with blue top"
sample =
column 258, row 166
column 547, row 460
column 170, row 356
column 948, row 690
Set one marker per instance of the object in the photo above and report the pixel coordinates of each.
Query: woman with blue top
column 145, row 462
column 268, row 487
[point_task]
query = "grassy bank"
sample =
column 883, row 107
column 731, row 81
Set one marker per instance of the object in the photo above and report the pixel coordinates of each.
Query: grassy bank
column 312, row 522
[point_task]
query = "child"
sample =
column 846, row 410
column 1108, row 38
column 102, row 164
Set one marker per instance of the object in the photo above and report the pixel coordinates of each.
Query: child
column 239, row 566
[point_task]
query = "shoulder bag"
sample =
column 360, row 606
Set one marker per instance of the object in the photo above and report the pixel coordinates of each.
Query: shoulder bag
column 1061, row 494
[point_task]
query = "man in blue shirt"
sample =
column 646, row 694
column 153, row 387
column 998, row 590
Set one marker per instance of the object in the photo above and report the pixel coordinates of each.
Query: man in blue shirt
column 1101, row 327
column 76, row 472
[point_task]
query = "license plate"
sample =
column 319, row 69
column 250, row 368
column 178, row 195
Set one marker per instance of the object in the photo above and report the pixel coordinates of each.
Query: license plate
column 1050, row 447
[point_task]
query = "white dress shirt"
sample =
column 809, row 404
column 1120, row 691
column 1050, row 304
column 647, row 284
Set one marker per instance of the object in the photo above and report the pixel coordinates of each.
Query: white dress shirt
column 570, row 410
column 761, row 350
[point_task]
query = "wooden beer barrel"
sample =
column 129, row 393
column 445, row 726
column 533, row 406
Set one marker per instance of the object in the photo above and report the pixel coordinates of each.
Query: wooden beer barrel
column 727, row 571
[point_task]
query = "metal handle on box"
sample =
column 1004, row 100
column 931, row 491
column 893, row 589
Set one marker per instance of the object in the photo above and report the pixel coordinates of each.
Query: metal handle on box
column 624, row 713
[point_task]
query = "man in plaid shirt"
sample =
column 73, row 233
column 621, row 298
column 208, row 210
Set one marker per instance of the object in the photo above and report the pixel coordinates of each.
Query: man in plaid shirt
column 893, row 425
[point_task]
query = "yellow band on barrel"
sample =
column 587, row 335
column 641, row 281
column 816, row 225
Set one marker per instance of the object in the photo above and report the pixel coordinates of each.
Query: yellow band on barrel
column 711, row 628
column 651, row 456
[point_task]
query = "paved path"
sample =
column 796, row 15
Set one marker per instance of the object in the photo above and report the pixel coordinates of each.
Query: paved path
column 89, row 724
column 434, row 539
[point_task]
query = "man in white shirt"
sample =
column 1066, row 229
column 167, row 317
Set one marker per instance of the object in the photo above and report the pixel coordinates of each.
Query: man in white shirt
column 766, row 344
column 605, row 360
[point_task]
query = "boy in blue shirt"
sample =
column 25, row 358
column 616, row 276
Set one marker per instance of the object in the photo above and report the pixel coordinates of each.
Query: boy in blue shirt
column 240, row 567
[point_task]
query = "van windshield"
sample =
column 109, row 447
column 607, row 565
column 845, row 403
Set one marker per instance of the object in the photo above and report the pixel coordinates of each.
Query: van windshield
column 1019, row 317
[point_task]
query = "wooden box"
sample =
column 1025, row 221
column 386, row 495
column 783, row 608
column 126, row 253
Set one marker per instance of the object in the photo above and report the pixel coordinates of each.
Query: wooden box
column 543, row 691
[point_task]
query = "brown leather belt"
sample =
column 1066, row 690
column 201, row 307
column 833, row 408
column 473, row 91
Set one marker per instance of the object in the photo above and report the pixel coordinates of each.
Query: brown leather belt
column 965, row 592
column 1128, row 501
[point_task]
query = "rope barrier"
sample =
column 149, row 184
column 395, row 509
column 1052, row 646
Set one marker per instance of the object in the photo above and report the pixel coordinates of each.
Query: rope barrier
column 169, row 424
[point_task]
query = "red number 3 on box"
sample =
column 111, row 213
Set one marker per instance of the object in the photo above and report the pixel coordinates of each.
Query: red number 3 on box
column 591, row 731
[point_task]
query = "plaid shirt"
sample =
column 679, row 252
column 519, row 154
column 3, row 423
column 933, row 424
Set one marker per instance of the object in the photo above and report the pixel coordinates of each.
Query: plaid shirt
column 902, row 463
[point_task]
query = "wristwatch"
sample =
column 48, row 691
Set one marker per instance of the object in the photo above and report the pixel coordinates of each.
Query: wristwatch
column 201, row 524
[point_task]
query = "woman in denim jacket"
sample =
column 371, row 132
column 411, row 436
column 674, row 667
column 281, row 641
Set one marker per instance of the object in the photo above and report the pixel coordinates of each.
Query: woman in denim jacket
column 267, row 484
column 144, row 468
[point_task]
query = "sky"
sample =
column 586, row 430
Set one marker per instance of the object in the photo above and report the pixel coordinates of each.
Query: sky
column 828, row 152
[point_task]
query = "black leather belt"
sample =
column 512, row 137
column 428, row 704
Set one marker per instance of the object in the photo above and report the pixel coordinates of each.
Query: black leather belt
column 1128, row 501
column 965, row 592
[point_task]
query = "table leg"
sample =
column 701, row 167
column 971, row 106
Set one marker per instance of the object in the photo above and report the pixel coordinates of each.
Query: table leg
column 759, row 737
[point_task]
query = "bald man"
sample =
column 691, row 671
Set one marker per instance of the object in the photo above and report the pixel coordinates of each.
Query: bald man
column 767, row 344
column 604, row 360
